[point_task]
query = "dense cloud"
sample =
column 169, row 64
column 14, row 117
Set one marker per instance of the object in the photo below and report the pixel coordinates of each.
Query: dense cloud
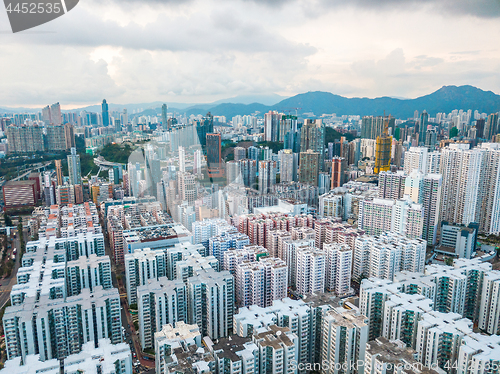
column 206, row 50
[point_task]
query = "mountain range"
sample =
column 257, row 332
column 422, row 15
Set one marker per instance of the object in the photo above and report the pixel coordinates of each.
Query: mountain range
column 315, row 104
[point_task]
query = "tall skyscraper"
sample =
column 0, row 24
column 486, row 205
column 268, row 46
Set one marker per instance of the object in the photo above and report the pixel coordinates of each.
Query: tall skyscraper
column 233, row 172
column 416, row 158
column 214, row 160
column 182, row 159
column 105, row 113
column 271, row 126
column 489, row 217
column 240, row 153
column 491, row 128
column 461, row 171
column 383, row 150
column 59, row 172
column 339, row 168
column 55, row 114
column 313, row 137
column 74, row 168
column 164, row 121
column 372, row 127
column 249, row 172
column 204, row 127
column 480, row 124
column 267, row 176
column 288, row 165
column 431, row 200
column 309, row 167
column 422, row 129
column 391, row 185
column 125, row 117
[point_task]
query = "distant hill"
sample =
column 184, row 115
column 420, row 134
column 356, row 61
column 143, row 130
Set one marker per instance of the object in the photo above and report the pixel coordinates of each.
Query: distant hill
column 445, row 100
column 318, row 103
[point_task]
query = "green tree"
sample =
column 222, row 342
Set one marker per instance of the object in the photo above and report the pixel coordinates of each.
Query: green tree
column 453, row 132
column 8, row 221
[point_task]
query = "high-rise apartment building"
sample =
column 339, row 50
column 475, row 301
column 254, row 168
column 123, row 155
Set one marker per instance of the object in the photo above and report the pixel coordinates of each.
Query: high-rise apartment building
column 422, row 127
column 164, row 119
column 491, row 128
column 267, row 176
column 338, row 268
column 461, row 171
column 240, row 153
column 272, row 121
column 288, row 165
column 311, row 271
column 309, row 167
column 233, row 172
column 312, row 137
column 344, row 335
column 372, row 127
column 74, row 168
column 391, row 185
column 261, row 282
column 25, row 139
column 431, row 201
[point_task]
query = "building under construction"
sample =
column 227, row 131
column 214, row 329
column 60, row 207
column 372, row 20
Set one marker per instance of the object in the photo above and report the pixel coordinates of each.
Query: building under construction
column 383, row 149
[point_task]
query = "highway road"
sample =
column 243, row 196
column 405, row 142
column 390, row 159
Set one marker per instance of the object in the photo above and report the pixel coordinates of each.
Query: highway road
column 7, row 283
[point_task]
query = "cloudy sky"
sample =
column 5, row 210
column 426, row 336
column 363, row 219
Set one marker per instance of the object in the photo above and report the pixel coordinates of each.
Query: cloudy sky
column 136, row 51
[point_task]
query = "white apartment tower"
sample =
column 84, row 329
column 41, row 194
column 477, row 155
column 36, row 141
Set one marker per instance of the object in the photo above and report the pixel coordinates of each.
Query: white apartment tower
column 338, row 268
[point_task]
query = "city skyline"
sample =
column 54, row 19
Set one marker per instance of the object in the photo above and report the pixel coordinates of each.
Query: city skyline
column 127, row 52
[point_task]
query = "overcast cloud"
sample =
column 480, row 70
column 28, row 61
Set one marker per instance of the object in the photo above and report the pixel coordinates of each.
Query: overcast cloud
column 132, row 51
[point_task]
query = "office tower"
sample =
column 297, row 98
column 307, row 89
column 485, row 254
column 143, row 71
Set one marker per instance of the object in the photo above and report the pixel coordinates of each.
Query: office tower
column 343, row 340
column 491, row 128
column 233, row 172
column 211, row 302
column 271, row 126
column 431, row 138
column 461, row 171
column 125, row 117
column 164, row 121
column 204, row 127
column 288, row 165
column 59, row 172
column 311, row 271
column 55, row 114
column 159, row 302
column 372, row 127
column 383, row 150
column 416, row 158
column 140, row 266
column 214, row 161
column 384, row 255
column 489, row 216
column 422, row 127
column 413, row 186
column 74, row 169
column 105, row 113
column 182, row 159
column 309, row 167
column 267, row 176
column 25, row 139
column 431, row 201
column 312, row 137
column 480, row 125
column 339, row 169
column 391, row 185
column 261, row 282
column 240, row 153
column 338, row 268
